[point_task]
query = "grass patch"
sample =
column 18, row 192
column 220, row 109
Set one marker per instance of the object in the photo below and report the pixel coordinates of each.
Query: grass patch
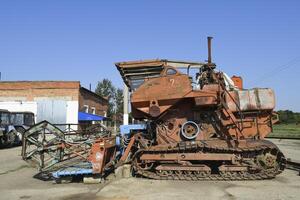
column 286, row 131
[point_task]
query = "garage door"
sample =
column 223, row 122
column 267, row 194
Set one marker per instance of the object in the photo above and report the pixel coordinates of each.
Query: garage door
column 54, row 111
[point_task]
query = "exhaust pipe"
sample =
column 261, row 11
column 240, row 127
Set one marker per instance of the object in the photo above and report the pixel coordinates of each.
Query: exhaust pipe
column 209, row 48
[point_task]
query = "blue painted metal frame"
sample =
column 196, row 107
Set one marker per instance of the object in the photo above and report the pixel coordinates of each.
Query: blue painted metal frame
column 61, row 173
column 126, row 129
column 82, row 169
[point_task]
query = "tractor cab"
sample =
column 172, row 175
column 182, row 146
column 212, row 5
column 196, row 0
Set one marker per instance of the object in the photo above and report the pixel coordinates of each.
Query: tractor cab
column 21, row 122
column 8, row 134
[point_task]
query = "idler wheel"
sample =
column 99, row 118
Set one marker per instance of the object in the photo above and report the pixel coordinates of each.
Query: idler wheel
column 190, row 130
column 268, row 160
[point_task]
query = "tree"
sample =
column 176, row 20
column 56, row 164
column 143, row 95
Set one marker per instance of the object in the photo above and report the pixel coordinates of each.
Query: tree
column 288, row 117
column 119, row 100
column 106, row 89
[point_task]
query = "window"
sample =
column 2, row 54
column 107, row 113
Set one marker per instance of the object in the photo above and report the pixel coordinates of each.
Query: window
column 171, row 71
column 28, row 119
column 4, row 118
column 86, row 108
column 17, row 118
column 93, row 110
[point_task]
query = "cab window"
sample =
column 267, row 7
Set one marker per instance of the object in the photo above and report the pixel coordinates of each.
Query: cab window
column 171, row 71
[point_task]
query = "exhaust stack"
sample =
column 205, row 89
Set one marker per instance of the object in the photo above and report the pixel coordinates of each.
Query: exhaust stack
column 209, row 49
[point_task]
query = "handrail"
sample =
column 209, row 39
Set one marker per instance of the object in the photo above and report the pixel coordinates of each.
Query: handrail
column 236, row 104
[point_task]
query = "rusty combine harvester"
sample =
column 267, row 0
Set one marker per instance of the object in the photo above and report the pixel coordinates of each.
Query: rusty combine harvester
column 202, row 128
column 207, row 128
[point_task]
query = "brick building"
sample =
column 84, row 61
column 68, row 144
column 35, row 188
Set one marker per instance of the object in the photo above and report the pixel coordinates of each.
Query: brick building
column 54, row 101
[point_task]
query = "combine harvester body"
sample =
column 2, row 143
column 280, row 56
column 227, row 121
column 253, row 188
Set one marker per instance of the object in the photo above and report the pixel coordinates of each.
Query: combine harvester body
column 206, row 127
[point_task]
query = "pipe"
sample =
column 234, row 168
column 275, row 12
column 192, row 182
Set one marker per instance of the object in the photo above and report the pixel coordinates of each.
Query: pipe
column 209, row 48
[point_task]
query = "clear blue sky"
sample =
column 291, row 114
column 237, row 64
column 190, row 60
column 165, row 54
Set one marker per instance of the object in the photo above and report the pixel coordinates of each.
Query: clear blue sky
column 81, row 40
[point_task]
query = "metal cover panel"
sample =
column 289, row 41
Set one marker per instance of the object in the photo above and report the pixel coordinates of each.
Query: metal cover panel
column 266, row 98
column 243, row 96
column 253, row 99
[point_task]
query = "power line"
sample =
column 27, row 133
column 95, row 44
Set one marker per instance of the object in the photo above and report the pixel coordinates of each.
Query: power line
column 277, row 70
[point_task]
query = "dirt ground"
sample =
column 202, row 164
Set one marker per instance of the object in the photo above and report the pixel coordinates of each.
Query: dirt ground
column 17, row 182
column 290, row 148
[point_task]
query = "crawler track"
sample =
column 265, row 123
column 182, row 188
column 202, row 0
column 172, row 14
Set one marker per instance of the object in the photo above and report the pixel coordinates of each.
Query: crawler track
column 250, row 153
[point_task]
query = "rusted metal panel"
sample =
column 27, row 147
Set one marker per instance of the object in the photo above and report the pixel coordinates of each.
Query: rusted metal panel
column 238, row 81
column 233, row 168
column 171, row 89
column 202, row 101
column 127, row 151
column 187, row 156
column 195, row 167
column 102, row 152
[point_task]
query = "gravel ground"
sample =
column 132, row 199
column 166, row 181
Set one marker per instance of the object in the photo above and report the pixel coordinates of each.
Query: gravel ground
column 17, row 182
column 290, row 148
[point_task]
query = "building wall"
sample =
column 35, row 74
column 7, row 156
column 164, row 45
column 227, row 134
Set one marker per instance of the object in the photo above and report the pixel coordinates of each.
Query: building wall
column 91, row 100
column 72, row 112
column 15, row 106
column 55, row 101
column 28, row 90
